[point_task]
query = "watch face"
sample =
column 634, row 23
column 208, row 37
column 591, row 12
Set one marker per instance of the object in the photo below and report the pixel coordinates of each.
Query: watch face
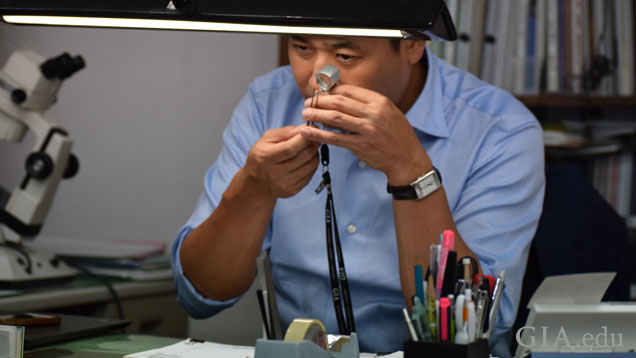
column 426, row 185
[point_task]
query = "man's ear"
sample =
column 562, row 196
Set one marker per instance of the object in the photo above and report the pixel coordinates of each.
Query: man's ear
column 415, row 49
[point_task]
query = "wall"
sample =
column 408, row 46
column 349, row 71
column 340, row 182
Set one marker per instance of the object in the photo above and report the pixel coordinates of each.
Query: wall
column 146, row 116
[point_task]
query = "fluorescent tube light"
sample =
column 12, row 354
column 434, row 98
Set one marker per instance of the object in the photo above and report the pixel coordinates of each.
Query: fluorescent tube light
column 194, row 26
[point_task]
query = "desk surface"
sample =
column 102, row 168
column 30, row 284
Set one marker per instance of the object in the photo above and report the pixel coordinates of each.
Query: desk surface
column 82, row 290
column 108, row 346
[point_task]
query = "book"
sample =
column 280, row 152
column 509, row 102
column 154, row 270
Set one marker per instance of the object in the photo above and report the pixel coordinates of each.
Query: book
column 510, row 50
column 501, row 43
column 520, row 48
column 11, row 341
column 624, row 47
column 477, row 36
column 464, row 27
column 552, row 47
column 602, row 12
column 488, row 69
column 538, row 82
column 450, row 48
column 577, row 43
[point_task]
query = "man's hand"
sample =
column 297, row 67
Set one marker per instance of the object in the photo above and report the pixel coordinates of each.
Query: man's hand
column 282, row 161
column 378, row 132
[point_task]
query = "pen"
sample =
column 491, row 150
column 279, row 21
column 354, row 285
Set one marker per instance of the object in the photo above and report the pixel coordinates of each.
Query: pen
column 448, row 281
column 461, row 336
column 481, row 311
column 432, row 320
column 419, row 278
column 261, row 304
column 496, row 298
column 409, row 325
column 432, row 263
column 459, row 310
column 470, row 306
column 448, row 242
column 451, row 318
column 437, row 317
column 468, row 269
column 419, row 320
column 469, row 314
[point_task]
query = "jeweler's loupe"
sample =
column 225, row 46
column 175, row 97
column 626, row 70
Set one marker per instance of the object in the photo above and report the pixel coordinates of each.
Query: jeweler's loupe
column 327, row 77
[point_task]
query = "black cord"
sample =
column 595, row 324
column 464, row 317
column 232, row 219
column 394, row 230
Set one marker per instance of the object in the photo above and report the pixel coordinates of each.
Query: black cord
column 109, row 286
column 337, row 275
column 344, row 282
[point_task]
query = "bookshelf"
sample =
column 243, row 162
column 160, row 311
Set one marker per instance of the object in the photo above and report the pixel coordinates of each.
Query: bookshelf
column 559, row 100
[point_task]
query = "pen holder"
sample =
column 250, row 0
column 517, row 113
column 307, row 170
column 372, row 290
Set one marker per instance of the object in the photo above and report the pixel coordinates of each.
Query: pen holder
column 477, row 349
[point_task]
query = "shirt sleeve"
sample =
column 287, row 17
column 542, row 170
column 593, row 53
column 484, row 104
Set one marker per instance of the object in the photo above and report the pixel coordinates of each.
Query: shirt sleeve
column 500, row 206
column 244, row 129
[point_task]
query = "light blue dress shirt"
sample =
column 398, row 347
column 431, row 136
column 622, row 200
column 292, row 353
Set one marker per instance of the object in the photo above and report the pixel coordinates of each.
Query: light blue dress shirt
column 488, row 148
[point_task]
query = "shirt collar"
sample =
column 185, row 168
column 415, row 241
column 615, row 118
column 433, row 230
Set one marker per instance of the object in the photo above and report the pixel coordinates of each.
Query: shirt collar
column 427, row 113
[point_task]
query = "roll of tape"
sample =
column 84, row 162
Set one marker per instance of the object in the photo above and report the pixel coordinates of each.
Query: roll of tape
column 305, row 329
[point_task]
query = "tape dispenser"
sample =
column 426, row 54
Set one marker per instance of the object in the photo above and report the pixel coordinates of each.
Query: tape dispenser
column 308, row 338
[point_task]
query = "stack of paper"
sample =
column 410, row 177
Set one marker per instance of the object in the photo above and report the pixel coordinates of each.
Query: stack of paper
column 128, row 259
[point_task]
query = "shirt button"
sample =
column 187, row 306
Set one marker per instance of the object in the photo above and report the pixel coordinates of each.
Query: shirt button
column 351, row 229
column 362, row 164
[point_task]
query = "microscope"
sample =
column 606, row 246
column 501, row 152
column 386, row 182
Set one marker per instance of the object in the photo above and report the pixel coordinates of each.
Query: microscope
column 28, row 87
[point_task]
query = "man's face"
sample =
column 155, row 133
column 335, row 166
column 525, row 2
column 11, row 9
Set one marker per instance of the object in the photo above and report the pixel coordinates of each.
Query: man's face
column 371, row 63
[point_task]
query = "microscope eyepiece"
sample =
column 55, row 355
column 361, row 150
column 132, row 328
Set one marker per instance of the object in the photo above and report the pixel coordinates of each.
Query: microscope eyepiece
column 62, row 66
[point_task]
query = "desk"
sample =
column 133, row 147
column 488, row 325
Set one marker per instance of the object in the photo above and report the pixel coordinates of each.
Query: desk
column 108, row 346
column 151, row 306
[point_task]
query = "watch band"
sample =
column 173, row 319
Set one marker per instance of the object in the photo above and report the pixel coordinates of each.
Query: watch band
column 419, row 189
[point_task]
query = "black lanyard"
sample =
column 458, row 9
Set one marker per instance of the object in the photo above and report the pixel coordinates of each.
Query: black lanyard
column 338, row 276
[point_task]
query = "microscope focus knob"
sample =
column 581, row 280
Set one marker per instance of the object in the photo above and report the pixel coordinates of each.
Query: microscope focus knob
column 39, row 165
column 18, row 96
column 72, row 167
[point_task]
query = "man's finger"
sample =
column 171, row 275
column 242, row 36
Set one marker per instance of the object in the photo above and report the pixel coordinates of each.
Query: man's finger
column 357, row 93
column 280, row 134
column 289, row 148
column 338, row 139
column 341, row 103
column 334, row 119
column 306, row 155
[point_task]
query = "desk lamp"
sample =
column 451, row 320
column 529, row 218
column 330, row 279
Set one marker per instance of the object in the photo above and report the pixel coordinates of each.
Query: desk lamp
column 425, row 19
column 394, row 18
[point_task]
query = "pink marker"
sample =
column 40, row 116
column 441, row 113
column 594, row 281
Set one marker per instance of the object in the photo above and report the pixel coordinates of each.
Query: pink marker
column 444, row 313
column 448, row 244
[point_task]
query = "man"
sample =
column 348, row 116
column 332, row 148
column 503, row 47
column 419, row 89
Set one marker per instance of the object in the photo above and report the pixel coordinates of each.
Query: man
column 399, row 111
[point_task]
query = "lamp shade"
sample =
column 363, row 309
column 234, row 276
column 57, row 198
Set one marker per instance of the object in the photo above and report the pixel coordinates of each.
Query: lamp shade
column 389, row 18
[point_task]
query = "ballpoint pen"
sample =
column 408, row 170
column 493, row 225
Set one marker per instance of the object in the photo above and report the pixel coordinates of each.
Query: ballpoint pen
column 481, row 311
column 409, row 325
column 496, row 299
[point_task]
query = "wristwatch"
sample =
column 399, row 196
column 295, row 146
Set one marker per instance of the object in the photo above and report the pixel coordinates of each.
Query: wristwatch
column 420, row 188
